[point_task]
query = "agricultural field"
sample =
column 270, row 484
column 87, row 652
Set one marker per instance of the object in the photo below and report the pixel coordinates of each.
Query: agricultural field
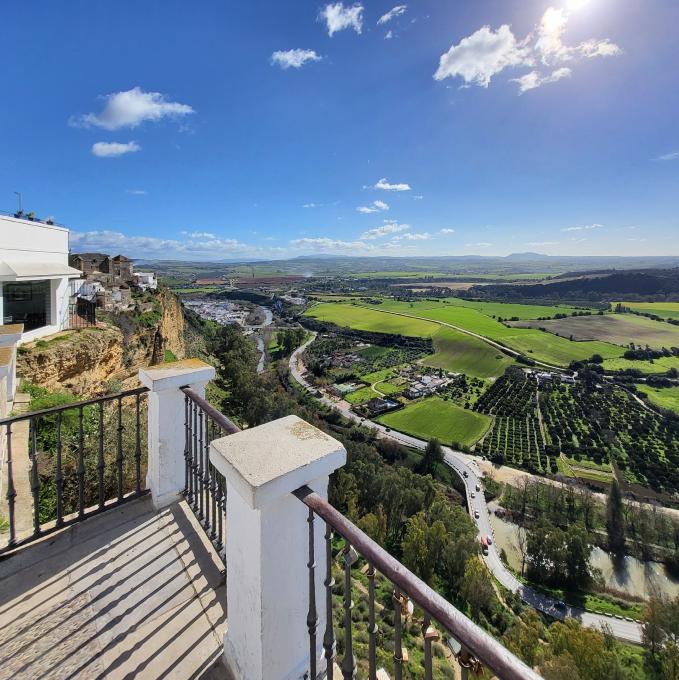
column 435, row 417
column 533, row 343
column 664, row 397
column 462, row 353
column 516, row 436
column 361, row 396
column 651, row 367
column 665, row 310
column 364, row 319
column 618, row 329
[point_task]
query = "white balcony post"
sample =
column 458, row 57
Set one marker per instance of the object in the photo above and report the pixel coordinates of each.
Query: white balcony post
column 10, row 335
column 267, row 545
column 166, row 415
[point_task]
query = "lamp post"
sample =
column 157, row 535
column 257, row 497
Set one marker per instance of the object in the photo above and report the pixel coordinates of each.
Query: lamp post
column 19, row 196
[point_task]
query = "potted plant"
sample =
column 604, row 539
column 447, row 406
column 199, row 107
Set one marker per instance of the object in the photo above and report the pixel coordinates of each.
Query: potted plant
column 30, row 216
column 19, row 214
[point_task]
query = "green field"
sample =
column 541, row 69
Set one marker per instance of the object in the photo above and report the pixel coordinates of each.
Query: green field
column 507, row 310
column 666, row 310
column 462, row 353
column 619, row 329
column 664, row 397
column 531, row 342
column 435, row 417
column 361, row 396
column 656, row 366
column 363, row 319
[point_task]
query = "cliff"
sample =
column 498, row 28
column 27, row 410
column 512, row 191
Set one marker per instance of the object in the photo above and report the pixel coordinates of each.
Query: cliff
column 86, row 362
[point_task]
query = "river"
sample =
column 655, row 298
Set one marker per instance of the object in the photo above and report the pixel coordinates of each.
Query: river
column 633, row 577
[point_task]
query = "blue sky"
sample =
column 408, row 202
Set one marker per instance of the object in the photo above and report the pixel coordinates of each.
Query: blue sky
column 219, row 129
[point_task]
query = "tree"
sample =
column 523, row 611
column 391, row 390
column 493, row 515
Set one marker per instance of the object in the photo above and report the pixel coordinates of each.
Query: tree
column 433, row 455
column 615, row 520
column 652, row 631
column 477, row 588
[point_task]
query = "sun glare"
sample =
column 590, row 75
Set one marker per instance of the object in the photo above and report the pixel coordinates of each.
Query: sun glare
column 575, row 5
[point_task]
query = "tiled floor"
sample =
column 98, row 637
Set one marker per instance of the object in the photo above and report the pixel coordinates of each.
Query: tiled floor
column 129, row 593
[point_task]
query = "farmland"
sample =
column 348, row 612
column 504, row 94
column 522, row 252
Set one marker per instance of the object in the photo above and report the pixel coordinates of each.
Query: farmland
column 364, row 319
column 618, row 329
column 435, row 417
column 665, row 310
column 655, row 366
column 531, row 342
column 664, row 397
column 459, row 352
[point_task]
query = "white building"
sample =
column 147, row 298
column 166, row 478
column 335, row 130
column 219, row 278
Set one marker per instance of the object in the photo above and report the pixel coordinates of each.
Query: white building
column 146, row 280
column 34, row 275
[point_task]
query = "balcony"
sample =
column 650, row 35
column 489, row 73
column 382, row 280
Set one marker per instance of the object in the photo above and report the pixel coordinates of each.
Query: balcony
column 118, row 561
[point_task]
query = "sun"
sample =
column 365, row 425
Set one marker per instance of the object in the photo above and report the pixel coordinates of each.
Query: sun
column 575, row 5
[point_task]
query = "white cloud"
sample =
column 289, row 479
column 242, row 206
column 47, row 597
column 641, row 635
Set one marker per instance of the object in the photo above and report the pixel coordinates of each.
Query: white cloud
column 392, row 14
column 384, row 185
column 375, row 206
column 200, row 244
column 389, row 35
column 329, row 245
column 136, row 192
column 413, row 237
column 478, row 245
column 293, row 58
column 480, row 56
column 534, row 244
column 673, row 156
column 388, row 228
column 112, row 149
column 130, row 109
column 309, row 205
column 418, row 197
column 531, row 80
column 337, row 17
column 447, row 231
column 586, row 227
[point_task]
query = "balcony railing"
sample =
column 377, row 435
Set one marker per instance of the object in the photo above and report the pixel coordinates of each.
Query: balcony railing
column 61, row 465
column 204, row 487
column 473, row 647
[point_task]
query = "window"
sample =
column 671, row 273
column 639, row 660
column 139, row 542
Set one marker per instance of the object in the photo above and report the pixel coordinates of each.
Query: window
column 27, row 303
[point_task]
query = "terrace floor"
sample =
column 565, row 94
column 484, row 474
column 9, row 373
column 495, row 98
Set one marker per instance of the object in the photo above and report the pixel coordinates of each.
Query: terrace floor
column 128, row 593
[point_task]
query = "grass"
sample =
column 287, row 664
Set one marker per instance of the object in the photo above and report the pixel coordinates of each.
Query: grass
column 434, row 417
column 533, row 343
column 666, row 310
column 618, row 329
column 388, row 388
column 169, row 356
column 462, row 353
column 377, row 376
column 363, row 319
column 656, row 366
column 361, row 396
column 664, row 397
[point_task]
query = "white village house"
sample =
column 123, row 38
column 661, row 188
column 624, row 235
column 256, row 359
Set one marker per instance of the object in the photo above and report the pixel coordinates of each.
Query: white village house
column 34, row 275
column 34, row 290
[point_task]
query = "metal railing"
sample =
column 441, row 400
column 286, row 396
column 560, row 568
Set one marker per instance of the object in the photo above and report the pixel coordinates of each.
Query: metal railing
column 63, row 464
column 204, row 487
column 472, row 647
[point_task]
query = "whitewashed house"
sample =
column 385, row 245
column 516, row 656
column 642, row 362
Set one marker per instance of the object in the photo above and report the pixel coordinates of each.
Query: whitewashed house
column 34, row 276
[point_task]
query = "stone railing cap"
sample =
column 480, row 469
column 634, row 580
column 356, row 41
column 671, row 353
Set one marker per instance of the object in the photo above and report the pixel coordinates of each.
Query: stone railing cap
column 172, row 375
column 270, row 461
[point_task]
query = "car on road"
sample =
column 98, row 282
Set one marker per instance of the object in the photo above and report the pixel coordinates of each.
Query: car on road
column 478, row 487
column 476, row 514
column 490, row 540
column 472, row 494
column 465, row 474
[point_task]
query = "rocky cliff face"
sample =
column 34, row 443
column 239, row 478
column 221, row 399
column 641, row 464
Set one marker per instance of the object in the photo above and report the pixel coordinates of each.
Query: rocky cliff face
column 85, row 362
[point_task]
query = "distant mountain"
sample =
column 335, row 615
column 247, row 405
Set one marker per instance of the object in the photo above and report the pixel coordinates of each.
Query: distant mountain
column 527, row 257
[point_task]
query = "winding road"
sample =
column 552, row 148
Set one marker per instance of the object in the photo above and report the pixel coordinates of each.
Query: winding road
column 470, row 474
